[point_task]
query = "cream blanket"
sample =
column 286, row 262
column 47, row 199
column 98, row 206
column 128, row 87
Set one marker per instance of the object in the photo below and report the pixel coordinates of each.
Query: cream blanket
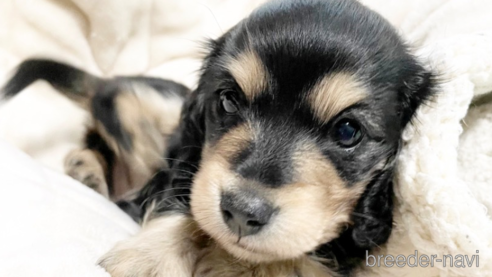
column 52, row 225
column 444, row 190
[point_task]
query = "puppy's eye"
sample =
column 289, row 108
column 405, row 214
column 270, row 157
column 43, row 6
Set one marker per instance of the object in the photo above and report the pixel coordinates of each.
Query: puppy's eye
column 228, row 102
column 347, row 133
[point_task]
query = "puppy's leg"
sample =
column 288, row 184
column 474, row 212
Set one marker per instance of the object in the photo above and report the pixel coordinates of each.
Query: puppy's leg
column 166, row 246
column 88, row 167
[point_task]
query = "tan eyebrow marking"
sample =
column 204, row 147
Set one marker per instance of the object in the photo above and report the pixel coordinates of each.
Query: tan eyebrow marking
column 249, row 72
column 334, row 93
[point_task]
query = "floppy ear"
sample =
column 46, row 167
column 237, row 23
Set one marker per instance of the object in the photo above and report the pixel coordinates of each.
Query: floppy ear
column 169, row 188
column 373, row 215
column 186, row 151
column 415, row 91
column 372, row 223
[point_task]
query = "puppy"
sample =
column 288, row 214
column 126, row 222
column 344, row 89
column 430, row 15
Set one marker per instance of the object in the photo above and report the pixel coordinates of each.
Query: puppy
column 132, row 119
column 287, row 149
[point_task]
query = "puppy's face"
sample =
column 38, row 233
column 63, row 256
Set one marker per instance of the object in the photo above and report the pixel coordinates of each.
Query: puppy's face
column 301, row 108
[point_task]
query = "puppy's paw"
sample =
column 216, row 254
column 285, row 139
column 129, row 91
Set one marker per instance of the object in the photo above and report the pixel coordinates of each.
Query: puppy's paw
column 163, row 248
column 125, row 261
column 87, row 167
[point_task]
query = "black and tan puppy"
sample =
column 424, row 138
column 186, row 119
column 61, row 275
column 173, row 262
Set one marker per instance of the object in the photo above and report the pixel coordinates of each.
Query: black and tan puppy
column 132, row 119
column 287, row 149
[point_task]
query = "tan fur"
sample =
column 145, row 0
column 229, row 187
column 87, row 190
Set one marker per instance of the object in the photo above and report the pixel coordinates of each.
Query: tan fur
column 235, row 141
column 173, row 245
column 334, row 93
column 217, row 262
column 89, row 168
column 166, row 246
column 327, row 199
column 249, row 72
column 149, row 119
column 313, row 209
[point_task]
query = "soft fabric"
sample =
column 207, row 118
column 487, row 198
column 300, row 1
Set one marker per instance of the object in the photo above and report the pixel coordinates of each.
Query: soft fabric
column 444, row 181
column 51, row 224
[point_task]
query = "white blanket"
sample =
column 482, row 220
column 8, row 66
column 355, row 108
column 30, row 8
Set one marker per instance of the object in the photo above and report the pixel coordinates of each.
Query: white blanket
column 444, row 188
column 51, row 224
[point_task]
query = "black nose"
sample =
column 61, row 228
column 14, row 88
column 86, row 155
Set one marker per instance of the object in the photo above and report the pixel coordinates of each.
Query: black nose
column 245, row 213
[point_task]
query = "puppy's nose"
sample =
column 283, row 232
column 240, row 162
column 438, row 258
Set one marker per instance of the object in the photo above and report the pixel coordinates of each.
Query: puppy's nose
column 245, row 213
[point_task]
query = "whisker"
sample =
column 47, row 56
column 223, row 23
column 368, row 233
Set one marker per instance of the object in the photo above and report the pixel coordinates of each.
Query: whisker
column 175, row 169
column 179, row 160
column 368, row 217
column 156, row 195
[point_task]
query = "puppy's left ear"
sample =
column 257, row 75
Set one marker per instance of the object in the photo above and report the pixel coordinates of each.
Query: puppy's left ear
column 372, row 223
column 373, row 215
column 416, row 90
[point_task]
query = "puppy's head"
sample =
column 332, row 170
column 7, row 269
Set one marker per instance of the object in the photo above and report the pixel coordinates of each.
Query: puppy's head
column 298, row 115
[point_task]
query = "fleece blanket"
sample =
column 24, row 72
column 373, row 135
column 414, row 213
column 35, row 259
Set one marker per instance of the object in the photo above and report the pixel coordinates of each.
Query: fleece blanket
column 51, row 224
column 444, row 179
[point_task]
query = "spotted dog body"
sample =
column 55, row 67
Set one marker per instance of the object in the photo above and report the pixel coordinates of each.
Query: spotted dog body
column 133, row 118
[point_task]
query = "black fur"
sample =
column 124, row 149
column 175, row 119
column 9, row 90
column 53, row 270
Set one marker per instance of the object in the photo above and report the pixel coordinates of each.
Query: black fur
column 373, row 222
column 94, row 141
column 104, row 110
column 64, row 77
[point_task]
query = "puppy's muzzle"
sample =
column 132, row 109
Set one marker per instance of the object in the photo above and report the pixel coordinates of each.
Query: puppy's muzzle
column 245, row 212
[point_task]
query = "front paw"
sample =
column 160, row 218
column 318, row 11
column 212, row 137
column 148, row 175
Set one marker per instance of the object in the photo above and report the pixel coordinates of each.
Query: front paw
column 121, row 262
column 163, row 248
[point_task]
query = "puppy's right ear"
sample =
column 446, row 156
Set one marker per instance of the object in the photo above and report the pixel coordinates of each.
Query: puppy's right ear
column 169, row 188
column 186, row 148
